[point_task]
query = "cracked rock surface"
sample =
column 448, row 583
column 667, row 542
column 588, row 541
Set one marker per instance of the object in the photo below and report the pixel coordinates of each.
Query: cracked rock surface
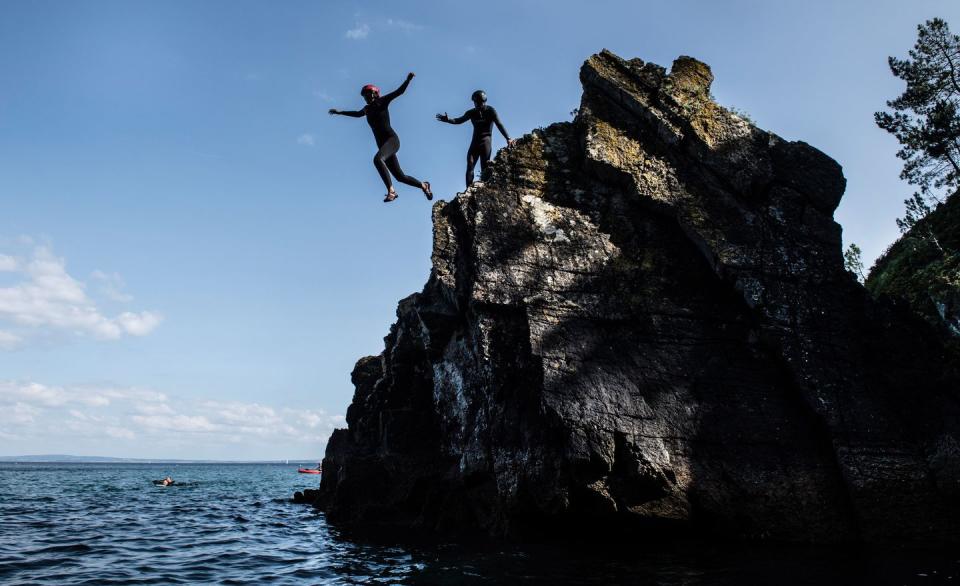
column 640, row 322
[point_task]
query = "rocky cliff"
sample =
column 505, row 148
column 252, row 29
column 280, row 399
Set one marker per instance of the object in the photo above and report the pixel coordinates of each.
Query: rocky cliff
column 640, row 320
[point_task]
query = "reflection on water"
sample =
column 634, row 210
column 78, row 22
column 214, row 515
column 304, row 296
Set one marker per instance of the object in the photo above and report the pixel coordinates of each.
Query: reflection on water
column 234, row 524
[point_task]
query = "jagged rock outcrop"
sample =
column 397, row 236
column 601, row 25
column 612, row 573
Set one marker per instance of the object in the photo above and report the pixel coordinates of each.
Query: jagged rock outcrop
column 641, row 321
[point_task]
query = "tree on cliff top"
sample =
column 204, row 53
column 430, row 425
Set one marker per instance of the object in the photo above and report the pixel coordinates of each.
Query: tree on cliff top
column 923, row 267
column 925, row 117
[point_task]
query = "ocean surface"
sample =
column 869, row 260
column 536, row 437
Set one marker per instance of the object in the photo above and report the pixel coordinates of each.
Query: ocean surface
column 69, row 524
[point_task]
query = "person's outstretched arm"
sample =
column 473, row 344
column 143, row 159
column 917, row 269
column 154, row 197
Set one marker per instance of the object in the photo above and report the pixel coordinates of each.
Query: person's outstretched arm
column 350, row 113
column 403, row 87
column 503, row 131
column 444, row 118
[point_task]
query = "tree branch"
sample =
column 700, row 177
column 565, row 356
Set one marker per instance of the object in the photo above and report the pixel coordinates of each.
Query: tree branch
column 953, row 70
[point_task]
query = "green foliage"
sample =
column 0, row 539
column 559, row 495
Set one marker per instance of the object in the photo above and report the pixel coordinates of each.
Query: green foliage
column 925, row 117
column 912, row 224
column 741, row 113
column 853, row 261
column 925, row 120
column 917, row 208
column 921, row 267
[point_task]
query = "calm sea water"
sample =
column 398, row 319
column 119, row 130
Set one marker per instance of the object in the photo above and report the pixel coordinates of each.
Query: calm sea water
column 69, row 524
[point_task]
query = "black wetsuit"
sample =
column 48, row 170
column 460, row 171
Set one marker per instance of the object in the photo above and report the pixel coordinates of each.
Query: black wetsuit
column 378, row 117
column 481, row 145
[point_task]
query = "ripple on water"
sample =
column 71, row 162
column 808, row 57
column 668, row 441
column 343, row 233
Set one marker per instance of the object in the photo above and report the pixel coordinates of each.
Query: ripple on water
column 108, row 524
column 64, row 548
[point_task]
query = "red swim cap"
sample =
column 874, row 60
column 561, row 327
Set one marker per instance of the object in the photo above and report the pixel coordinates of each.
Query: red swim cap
column 369, row 88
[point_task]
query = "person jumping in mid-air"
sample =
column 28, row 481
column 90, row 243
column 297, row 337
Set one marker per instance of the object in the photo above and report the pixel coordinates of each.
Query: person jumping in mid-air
column 388, row 143
column 483, row 118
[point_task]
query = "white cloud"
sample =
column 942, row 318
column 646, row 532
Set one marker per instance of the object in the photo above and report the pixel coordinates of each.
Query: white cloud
column 56, row 396
column 314, row 419
column 154, row 408
column 253, row 419
column 9, row 341
column 111, row 286
column 8, row 263
column 187, row 423
column 139, row 324
column 47, row 299
column 9, row 436
column 70, row 415
column 119, row 433
column 306, row 140
column 404, row 25
column 359, row 32
column 244, row 413
column 18, row 414
column 145, row 396
column 362, row 30
column 33, row 393
column 322, row 95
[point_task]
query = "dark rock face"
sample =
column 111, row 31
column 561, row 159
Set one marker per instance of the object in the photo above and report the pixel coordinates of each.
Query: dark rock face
column 640, row 320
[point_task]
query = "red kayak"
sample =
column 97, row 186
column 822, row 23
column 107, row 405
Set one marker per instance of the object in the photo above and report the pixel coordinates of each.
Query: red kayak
column 308, row 470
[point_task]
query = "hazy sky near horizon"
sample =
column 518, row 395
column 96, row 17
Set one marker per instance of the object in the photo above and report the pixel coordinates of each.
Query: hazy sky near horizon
column 193, row 254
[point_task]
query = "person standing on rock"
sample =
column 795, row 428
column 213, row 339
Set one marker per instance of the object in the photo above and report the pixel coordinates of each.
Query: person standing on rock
column 388, row 143
column 483, row 118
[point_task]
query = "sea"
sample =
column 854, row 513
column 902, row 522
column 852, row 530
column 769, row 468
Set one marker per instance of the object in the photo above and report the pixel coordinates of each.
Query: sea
column 67, row 524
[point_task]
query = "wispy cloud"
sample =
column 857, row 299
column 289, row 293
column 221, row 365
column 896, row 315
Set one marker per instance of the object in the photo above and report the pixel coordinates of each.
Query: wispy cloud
column 359, row 32
column 100, row 414
column 111, row 285
column 176, row 422
column 362, row 30
column 8, row 263
column 119, row 433
column 47, row 299
column 34, row 393
column 306, row 139
column 322, row 95
column 404, row 25
column 9, row 341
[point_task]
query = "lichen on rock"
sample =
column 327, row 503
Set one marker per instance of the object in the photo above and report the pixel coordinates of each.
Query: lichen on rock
column 640, row 320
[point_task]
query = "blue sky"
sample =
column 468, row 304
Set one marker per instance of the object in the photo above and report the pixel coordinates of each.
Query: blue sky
column 193, row 254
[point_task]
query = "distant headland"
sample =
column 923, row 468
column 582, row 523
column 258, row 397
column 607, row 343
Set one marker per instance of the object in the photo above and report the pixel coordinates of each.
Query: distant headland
column 69, row 459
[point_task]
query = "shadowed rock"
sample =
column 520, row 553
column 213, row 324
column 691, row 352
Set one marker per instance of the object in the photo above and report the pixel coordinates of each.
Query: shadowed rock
column 640, row 322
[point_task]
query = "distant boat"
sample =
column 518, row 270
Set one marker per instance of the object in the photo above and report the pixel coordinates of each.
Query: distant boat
column 309, row 470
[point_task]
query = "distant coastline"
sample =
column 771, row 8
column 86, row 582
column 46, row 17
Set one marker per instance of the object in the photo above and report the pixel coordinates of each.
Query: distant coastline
column 69, row 459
